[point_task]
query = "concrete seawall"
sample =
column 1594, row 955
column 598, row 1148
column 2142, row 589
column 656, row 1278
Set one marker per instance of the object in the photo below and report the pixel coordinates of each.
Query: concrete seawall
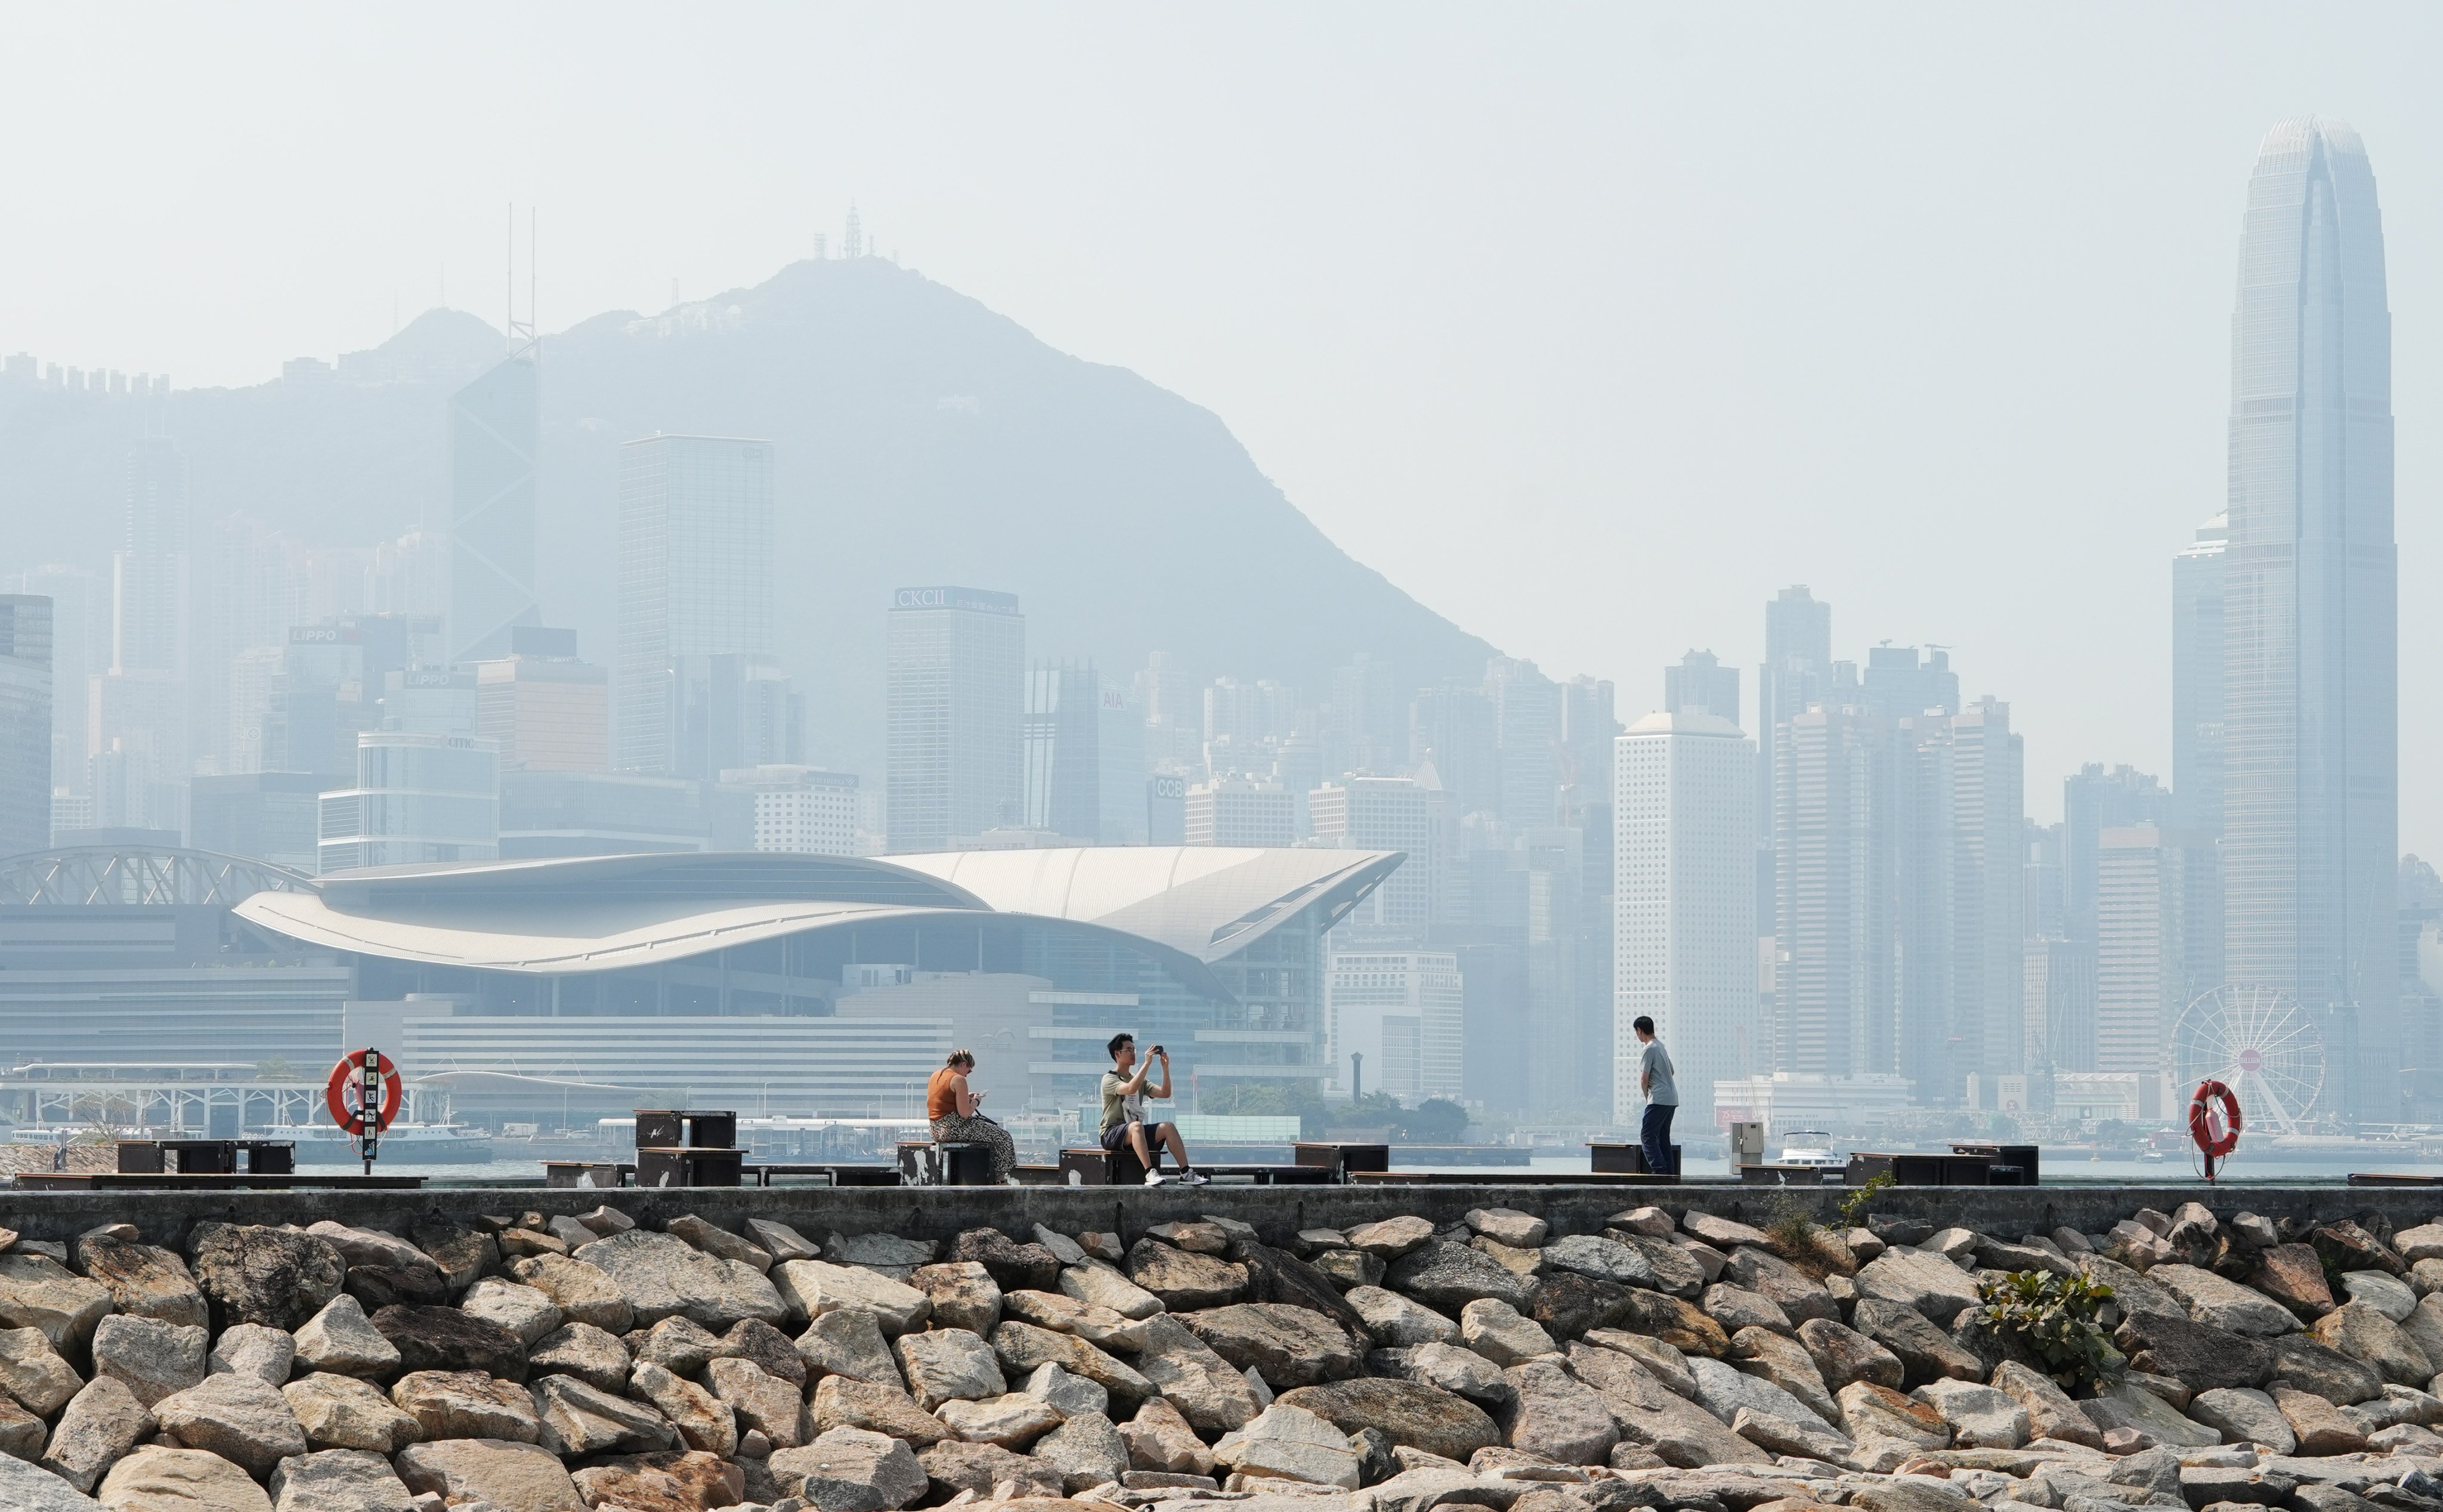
column 942, row 1212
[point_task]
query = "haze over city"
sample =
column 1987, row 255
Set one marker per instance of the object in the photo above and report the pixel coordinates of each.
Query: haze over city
column 1884, row 296
column 972, row 446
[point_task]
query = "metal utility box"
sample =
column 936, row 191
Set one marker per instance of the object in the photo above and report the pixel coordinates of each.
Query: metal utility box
column 1747, row 1144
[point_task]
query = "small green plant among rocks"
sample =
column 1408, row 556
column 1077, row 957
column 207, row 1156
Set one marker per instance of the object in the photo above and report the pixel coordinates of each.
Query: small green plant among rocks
column 2055, row 1318
column 1854, row 1207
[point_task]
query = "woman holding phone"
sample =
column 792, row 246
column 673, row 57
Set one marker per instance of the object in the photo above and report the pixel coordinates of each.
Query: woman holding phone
column 957, row 1115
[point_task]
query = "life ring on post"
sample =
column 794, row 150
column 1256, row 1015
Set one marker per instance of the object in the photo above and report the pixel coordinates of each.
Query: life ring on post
column 348, row 1075
column 2210, row 1095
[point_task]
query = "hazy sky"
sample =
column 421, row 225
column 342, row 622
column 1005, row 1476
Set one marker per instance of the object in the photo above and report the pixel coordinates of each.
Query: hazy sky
column 1590, row 327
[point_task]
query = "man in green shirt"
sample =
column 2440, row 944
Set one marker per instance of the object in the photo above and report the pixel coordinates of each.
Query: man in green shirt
column 1124, row 1113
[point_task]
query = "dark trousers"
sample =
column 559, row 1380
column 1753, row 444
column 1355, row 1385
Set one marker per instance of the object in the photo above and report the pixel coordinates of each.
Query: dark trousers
column 1655, row 1134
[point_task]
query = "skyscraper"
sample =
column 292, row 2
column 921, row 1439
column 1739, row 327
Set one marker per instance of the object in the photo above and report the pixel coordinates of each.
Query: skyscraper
column 695, row 587
column 2094, row 800
column 1700, row 684
column 148, row 572
column 1067, row 713
column 2138, row 986
column 957, row 699
column 1383, row 814
column 1526, row 722
column 1797, row 664
column 2311, row 782
column 81, row 634
column 495, row 426
column 1684, row 900
column 1988, row 907
column 25, row 722
column 1832, row 991
column 2196, row 679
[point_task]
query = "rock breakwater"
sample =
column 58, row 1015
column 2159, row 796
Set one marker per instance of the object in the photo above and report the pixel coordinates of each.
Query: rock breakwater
column 1661, row 1358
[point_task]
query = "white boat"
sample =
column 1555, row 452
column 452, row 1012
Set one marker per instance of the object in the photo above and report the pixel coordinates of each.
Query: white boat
column 405, row 1144
column 1820, row 1157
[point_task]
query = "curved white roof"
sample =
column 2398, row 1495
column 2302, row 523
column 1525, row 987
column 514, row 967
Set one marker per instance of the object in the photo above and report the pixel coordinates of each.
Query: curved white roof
column 1187, row 906
column 1206, row 901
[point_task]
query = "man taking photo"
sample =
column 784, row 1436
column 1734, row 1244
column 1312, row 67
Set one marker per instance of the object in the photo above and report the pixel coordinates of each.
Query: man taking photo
column 1124, row 1113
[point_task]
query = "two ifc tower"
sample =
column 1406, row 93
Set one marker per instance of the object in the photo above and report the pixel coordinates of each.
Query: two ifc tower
column 2285, row 677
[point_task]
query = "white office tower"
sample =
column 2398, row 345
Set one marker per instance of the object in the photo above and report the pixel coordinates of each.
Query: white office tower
column 2311, row 776
column 695, row 603
column 418, row 797
column 957, row 702
column 1240, row 811
column 2138, row 991
column 801, row 809
column 1393, row 1022
column 1988, row 907
column 1684, row 896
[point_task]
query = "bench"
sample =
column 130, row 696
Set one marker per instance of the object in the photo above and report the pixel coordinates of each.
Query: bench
column 1624, row 1159
column 1093, row 1166
column 689, row 1168
column 1910, row 1169
column 944, row 1163
column 1341, row 1157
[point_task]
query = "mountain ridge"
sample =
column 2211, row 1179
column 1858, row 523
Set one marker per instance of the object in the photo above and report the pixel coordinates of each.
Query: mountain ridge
column 921, row 437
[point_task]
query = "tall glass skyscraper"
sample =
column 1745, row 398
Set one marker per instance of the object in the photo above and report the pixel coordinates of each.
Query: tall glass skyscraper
column 957, row 702
column 495, row 424
column 2311, row 775
column 695, row 605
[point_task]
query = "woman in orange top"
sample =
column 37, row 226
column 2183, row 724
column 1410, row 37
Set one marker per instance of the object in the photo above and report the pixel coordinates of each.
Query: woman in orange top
column 958, row 1116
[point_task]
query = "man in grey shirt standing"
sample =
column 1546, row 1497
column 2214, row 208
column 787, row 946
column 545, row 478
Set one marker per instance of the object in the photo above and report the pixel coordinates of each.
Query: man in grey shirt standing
column 1661, row 1100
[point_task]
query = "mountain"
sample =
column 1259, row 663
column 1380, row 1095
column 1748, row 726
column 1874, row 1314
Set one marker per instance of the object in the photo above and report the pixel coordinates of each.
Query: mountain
column 921, row 439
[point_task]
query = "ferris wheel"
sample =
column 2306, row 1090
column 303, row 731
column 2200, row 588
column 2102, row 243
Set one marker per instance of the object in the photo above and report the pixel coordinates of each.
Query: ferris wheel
column 2260, row 1043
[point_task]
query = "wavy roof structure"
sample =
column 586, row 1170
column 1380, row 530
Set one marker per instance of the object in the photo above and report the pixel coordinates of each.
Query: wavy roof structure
column 1187, row 906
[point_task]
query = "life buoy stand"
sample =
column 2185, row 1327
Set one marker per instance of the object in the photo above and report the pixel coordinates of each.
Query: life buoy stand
column 2212, row 1096
column 352, row 1073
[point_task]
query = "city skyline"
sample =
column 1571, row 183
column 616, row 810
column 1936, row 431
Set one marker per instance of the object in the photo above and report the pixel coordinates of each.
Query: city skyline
column 856, row 564
column 1205, row 304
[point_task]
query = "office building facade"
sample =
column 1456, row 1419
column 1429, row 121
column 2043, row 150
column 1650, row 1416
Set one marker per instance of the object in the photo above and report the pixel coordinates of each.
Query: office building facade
column 956, row 707
column 1394, row 1023
column 1684, row 935
column 1385, row 814
column 418, row 798
column 2138, row 980
column 695, row 601
column 2311, row 784
column 2197, row 652
column 803, row 810
column 26, row 693
column 81, row 637
column 541, row 708
column 1240, row 811
column 1700, row 684
column 495, row 442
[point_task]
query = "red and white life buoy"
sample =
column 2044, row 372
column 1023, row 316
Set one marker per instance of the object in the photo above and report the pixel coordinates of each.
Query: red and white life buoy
column 2213, row 1098
column 345, row 1092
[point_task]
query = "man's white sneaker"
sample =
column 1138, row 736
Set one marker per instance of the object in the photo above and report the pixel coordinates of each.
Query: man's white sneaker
column 1193, row 1178
column 1155, row 1178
